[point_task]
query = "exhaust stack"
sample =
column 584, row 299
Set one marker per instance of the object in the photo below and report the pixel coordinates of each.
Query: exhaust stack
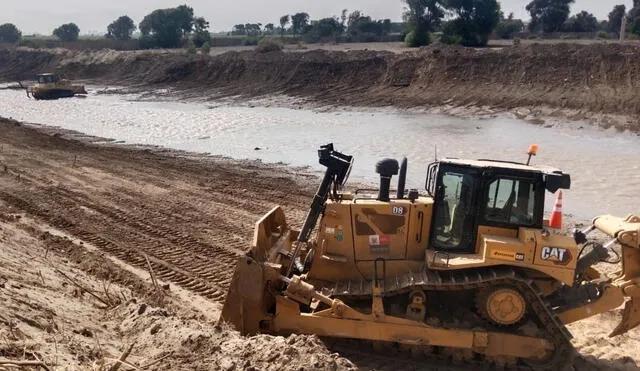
column 387, row 168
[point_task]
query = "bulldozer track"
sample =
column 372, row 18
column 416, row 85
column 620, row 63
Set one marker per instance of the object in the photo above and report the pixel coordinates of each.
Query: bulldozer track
column 554, row 329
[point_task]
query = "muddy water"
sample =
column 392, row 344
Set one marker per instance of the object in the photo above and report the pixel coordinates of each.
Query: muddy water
column 605, row 166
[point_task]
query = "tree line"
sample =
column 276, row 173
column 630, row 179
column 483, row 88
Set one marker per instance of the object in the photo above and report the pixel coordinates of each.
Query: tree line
column 466, row 22
column 355, row 23
column 471, row 22
column 172, row 27
column 553, row 16
column 165, row 28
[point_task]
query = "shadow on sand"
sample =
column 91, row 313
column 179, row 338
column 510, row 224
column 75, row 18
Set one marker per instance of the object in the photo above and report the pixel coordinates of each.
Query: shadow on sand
column 591, row 363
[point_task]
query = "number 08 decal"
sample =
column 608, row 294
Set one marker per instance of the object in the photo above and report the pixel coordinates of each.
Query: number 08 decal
column 398, row 210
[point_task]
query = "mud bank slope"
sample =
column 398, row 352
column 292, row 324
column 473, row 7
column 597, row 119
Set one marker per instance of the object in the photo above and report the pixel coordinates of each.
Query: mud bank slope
column 586, row 80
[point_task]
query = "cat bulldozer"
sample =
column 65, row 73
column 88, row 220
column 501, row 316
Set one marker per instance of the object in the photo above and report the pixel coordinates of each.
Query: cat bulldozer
column 53, row 86
column 469, row 271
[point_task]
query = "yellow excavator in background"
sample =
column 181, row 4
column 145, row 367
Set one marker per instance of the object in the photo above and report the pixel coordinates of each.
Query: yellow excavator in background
column 469, row 271
column 52, row 86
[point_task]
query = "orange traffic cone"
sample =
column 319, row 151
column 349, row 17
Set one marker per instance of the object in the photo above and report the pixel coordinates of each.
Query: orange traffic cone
column 556, row 215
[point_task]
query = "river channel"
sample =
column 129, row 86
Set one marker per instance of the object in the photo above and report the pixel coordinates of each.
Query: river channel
column 605, row 165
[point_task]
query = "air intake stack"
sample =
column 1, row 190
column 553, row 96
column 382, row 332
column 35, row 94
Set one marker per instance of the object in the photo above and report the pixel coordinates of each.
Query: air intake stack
column 387, row 168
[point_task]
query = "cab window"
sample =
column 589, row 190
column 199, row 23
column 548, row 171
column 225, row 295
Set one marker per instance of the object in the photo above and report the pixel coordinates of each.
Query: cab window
column 453, row 223
column 511, row 201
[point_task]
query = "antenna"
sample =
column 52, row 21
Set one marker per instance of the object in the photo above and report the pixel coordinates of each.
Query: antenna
column 436, row 152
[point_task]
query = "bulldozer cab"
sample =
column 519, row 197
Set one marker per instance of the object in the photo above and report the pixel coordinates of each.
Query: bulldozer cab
column 468, row 194
column 47, row 78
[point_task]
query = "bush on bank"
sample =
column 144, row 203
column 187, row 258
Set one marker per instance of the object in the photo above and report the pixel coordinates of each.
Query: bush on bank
column 269, row 44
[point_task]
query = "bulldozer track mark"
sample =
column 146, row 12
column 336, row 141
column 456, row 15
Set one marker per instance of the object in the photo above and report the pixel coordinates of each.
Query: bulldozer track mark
column 157, row 225
column 548, row 321
column 161, row 267
column 203, row 268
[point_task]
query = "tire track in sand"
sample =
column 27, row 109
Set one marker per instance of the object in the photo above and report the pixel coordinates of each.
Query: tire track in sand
column 205, row 269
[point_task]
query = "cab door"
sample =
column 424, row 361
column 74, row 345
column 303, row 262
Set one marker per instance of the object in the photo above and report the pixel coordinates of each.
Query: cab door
column 455, row 212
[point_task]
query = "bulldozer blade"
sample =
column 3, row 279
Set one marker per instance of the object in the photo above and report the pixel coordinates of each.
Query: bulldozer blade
column 630, row 317
column 247, row 300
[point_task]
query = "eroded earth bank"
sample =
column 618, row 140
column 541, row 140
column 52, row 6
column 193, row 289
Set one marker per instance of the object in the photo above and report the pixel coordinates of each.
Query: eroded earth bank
column 597, row 82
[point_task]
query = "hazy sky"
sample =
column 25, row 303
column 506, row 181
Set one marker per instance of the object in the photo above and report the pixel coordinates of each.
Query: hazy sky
column 93, row 16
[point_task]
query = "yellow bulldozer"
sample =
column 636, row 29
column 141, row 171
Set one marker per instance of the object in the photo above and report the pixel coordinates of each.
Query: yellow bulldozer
column 53, row 86
column 468, row 271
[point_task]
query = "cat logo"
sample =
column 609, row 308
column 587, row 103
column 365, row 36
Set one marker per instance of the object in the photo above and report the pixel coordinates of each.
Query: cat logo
column 556, row 254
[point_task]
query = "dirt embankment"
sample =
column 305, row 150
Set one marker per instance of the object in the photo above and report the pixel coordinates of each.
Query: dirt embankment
column 580, row 81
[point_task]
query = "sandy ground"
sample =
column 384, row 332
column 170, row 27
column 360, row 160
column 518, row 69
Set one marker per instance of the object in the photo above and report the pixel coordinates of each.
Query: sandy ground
column 78, row 222
column 395, row 47
column 399, row 47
